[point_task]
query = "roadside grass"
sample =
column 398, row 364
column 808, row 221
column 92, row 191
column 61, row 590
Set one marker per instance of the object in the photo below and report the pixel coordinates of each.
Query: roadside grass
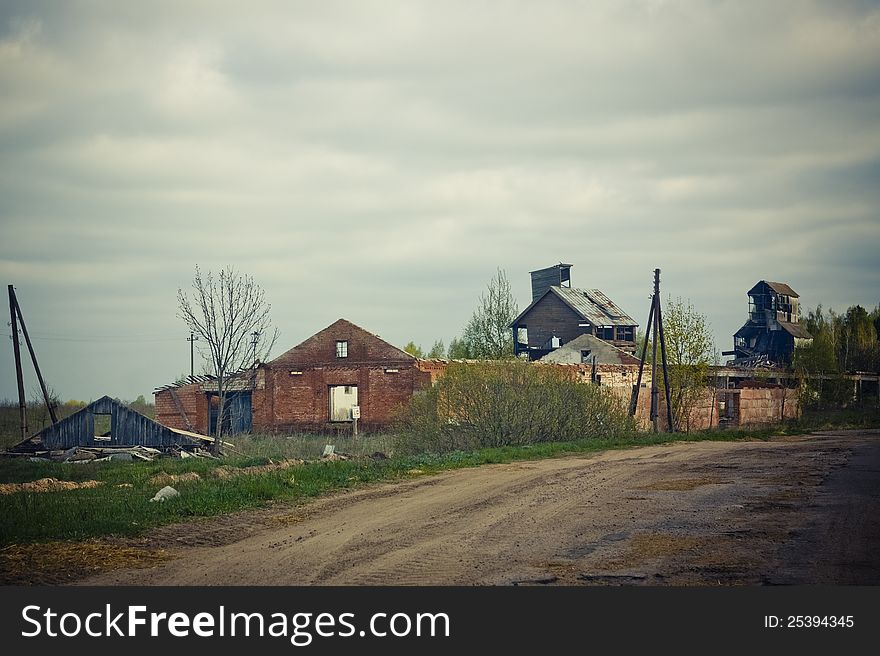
column 308, row 446
column 121, row 506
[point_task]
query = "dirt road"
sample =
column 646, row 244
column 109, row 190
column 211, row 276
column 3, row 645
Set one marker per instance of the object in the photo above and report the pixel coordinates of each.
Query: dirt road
column 791, row 510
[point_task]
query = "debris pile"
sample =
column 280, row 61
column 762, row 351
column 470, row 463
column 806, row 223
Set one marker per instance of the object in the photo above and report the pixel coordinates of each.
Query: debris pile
column 331, row 455
column 47, row 485
column 166, row 479
column 225, row 471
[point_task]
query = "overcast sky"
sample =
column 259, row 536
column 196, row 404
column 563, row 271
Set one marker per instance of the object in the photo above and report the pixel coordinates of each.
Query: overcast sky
column 378, row 161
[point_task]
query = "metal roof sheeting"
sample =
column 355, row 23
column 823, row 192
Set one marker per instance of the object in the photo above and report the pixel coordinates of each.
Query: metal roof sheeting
column 594, row 306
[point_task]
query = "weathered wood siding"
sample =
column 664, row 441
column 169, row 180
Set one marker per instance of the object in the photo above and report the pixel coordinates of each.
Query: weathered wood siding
column 127, row 428
column 552, row 317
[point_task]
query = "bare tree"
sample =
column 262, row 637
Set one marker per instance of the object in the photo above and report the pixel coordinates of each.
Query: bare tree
column 230, row 315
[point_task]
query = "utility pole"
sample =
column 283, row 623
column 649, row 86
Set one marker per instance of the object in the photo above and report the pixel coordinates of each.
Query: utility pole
column 255, row 338
column 49, row 405
column 654, row 329
column 655, row 392
column 22, row 406
column 192, row 339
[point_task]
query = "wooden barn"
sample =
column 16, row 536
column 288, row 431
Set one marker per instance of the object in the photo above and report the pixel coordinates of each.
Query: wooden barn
column 559, row 313
column 109, row 423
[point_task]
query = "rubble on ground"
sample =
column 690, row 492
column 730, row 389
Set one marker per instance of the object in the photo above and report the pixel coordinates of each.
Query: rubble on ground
column 81, row 454
column 330, row 454
column 163, row 478
column 47, row 485
column 226, row 471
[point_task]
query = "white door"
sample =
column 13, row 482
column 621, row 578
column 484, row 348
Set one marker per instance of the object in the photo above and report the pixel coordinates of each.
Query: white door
column 342, row 398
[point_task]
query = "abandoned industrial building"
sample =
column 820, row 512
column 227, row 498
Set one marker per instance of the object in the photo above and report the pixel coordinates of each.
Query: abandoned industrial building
column 319, row 384
column 773, row 329
column 559, row 313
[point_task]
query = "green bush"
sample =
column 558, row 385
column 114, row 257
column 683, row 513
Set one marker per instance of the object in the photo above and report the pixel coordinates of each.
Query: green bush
column 492, row 404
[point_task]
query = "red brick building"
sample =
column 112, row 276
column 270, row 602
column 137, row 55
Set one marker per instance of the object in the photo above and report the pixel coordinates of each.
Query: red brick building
column 313, row 386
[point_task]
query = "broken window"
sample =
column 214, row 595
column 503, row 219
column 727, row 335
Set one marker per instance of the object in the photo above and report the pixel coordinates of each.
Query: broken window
column 626, row 333
column 102, row 426
column 522, row 334
column 342, row 399
column 341, row 349
column 585, row 355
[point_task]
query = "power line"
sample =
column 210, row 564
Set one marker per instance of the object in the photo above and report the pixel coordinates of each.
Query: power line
column 118, row 339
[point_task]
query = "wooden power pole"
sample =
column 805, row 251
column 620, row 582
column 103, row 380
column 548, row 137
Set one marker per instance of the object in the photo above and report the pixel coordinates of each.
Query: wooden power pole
column 17, row 317
column 22, row 404
column 654, row 329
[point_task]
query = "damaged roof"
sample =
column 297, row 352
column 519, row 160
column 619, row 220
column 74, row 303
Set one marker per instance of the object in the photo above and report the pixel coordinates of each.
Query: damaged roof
column 778, row 287
column 127, row 428
column 604, row 352
column 591, row 305
column 239, row 380
column 795, row 330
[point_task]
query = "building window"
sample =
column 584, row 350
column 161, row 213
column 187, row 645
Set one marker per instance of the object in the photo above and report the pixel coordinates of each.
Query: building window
column 626, row 333
column 585, row 355
column 605, row 332
column 342, row 399
column 341, row 349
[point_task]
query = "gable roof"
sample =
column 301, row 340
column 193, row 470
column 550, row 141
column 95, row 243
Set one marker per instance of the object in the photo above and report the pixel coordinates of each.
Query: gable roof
column 315, row 347
column 591, row 305
column 606, row 353
column 778, row 287
column 129, row 428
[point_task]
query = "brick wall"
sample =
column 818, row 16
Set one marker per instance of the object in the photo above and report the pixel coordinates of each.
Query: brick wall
column 301, row 400
column 194, row 404
column 767, row 406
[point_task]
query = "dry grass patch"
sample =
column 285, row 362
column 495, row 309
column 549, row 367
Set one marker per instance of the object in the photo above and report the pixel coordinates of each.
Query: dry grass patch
column 289, row 520
column 225, row 471
column 47, row 485
column 163, row 478
column 61, row 562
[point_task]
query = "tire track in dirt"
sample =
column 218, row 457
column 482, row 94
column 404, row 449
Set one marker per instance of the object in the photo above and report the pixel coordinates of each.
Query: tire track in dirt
column 685, row 513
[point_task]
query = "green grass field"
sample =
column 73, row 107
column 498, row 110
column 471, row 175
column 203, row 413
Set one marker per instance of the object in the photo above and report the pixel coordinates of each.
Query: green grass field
column 114, row 508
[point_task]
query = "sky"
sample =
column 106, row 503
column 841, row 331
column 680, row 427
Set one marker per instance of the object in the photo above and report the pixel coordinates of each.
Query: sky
column 379, row 161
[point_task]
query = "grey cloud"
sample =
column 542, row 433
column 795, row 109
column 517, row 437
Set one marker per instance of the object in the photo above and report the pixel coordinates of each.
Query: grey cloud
column 377, row 161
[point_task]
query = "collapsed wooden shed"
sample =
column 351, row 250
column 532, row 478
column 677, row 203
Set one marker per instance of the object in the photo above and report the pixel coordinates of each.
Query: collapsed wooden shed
column 127, row 428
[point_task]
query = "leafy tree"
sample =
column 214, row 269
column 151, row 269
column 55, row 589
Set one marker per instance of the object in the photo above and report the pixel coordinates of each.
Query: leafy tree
column 230, row 314
column 458, row 350
column 841, row 343
column 438, row 350
column 492, row 404
column 141, row 405
column 487, row 334
column 414, row 350
column 690, row 351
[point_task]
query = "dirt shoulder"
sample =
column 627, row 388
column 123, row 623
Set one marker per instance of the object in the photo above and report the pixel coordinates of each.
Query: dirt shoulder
column 789, row 510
